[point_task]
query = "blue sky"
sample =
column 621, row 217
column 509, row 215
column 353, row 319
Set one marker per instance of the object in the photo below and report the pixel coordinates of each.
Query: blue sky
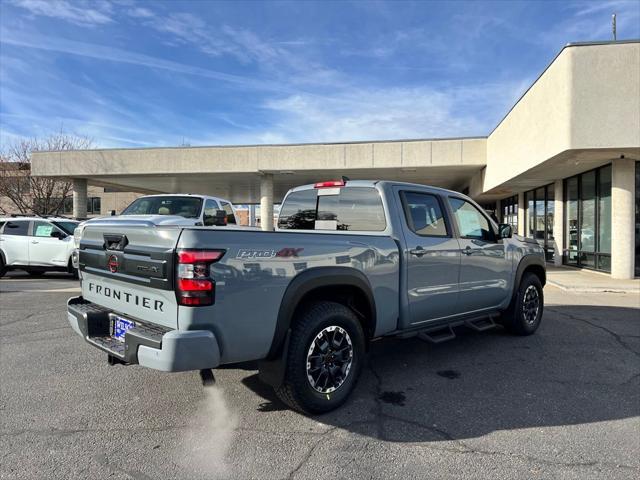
column 161, row 73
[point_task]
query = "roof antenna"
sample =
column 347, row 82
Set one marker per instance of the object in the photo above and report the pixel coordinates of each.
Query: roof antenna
column 613, row 27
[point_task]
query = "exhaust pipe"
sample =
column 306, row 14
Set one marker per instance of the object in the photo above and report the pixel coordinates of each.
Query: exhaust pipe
column 208, row 380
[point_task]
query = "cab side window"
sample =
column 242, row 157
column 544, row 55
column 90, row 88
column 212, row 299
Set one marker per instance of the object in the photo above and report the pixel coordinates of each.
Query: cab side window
column 424, row 214
column 210, row 207
column 20, row 228
column 471, row 222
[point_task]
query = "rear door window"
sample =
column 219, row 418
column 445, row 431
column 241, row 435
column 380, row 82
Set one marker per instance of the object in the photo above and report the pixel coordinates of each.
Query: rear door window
column 353, row 209
column 20, row 228
column 231, row 218
column 210, row 207
column 424, row 214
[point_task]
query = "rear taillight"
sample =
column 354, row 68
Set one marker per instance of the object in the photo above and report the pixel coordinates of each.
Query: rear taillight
column 194, row 285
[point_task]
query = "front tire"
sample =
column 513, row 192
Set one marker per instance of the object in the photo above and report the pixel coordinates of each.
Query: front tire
column 73, row 271
column 525, row 312
column 325, row 358
column 3, row 268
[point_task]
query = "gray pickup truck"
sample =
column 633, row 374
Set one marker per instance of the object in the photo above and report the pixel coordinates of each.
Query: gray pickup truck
column 349, row 262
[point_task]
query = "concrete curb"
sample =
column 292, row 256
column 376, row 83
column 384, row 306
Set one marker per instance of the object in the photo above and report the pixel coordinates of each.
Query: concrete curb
column 592, row 289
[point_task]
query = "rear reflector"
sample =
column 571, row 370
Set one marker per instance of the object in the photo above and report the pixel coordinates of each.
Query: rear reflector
column 330, row 183
column 185, row 284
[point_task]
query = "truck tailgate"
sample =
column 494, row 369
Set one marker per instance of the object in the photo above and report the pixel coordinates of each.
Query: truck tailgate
column 128, row 267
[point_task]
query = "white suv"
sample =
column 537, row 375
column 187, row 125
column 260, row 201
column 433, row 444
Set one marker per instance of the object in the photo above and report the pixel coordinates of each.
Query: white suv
column 36, row 244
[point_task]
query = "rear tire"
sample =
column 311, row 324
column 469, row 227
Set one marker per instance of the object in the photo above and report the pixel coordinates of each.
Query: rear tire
column 3, row 268
column 524, row 315
column 325, row 358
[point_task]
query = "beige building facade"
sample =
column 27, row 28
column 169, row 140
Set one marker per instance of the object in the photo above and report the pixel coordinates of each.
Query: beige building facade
column 561, row 166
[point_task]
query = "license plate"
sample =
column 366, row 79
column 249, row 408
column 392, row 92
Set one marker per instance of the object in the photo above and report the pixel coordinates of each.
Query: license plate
column 120, row 327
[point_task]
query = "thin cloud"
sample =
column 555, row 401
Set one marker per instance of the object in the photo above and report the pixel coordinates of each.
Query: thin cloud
column 394, row 113
column 140, row 12
column 101, row 52
column 279, row 58
column 84, row 14
column 593, row 23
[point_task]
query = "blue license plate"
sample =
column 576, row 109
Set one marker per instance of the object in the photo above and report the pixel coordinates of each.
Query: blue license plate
column 120, row 327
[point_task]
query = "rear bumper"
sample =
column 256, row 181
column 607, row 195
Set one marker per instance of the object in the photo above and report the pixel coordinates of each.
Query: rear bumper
column 148, row 345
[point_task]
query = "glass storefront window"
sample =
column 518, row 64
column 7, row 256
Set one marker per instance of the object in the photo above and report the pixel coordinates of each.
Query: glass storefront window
column 510, row 212
column 637, row 219
column 571, row 221
column 549, row 222
column 588, row 219
column 539, row 216
column 529, row 215
column 588, row 212
column 604, row 210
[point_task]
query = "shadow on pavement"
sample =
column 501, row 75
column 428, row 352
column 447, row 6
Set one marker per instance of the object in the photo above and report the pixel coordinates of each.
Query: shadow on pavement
column 582, row 366
column 20, row 274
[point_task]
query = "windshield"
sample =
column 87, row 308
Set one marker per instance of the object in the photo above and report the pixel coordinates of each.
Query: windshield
column 66, row 227
column 188, row 207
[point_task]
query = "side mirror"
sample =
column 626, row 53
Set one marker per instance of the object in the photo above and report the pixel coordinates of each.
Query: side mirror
column 58, row 235
column 112, row 213
column 219, row 219
column 505, row 230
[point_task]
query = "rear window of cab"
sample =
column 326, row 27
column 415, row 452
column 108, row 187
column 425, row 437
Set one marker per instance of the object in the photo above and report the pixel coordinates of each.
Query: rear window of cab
column 354, row 209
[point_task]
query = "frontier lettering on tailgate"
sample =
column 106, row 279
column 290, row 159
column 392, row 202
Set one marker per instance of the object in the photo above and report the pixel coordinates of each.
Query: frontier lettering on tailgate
column 127, row 297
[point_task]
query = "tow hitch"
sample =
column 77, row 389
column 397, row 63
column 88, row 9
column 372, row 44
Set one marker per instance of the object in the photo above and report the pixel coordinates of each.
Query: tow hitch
column 208, row 380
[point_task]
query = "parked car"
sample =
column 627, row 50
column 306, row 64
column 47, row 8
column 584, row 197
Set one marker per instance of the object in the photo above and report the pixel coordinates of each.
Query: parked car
column 350, row 262
column 36, row 244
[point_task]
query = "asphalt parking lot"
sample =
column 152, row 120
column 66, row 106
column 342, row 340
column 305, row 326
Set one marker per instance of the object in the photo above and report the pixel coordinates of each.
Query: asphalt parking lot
column 564, row 403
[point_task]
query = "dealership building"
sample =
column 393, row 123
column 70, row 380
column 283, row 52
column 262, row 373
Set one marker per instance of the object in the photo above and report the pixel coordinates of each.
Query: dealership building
column 562, row 166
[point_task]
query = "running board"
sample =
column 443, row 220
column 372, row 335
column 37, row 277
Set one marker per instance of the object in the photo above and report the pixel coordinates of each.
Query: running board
column 481, row 324
column 437, row 335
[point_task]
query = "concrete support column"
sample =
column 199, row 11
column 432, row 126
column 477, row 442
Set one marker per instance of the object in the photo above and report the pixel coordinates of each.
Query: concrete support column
column 266, row 201
column 558, row 222
column 622, row 218
column 79, row 197
column 521, row 224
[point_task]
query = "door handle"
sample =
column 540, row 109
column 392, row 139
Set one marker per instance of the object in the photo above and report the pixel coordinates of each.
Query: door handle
column 468, row 251
column 34, row 242
column 418, row 251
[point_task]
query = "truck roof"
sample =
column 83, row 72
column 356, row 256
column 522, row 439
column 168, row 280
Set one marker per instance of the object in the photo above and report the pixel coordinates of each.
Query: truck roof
column 9, row 218
column 373, row 183
column 197, row 195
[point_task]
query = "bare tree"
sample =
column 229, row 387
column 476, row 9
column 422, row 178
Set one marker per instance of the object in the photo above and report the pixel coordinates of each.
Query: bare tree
column 38, row 195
